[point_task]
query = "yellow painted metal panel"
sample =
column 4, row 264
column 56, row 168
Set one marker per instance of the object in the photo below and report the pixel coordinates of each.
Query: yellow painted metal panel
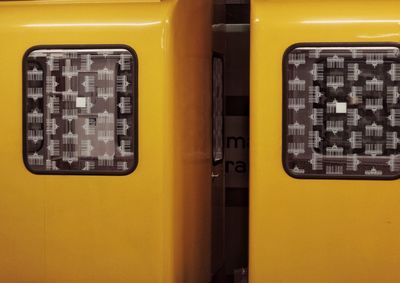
column 80, row 1
column 314, row 230
column 149, row 226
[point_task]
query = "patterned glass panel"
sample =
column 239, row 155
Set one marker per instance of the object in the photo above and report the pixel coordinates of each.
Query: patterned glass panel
column 342, row 112
column 80, row 111
column 218, row 102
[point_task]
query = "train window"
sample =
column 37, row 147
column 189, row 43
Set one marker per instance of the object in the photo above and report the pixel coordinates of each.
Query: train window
column 80, row 110
column 218, row 108
column 342, row 111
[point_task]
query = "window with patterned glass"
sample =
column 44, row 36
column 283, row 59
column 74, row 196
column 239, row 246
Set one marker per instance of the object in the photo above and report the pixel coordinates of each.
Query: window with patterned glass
column 218, row 108
column 80, row 110
column 342, row 111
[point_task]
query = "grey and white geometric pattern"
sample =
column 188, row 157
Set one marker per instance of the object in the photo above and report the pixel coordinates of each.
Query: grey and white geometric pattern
column 218, row 108
column 342, row 112
column 80, row 111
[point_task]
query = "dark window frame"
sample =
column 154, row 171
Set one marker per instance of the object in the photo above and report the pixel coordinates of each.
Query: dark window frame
column 285, row 77
column 135, row 114
column 218, row 56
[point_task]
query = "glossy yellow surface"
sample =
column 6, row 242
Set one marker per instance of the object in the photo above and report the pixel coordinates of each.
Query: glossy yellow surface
column 315, row 231
column 150, row 226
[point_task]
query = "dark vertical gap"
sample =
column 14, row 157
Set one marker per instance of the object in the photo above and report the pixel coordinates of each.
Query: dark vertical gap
column 233, row 19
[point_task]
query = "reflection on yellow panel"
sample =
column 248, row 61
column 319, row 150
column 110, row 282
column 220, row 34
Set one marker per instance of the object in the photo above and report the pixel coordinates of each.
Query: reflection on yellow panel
column 324, row 191
column 152, row 225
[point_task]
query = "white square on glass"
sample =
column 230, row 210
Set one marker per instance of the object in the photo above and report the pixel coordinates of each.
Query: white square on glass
column 341, row 107
column 80, row 102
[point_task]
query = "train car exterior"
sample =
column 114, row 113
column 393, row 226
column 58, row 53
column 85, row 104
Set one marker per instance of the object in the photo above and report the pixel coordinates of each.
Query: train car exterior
column 324, row 188
column 106, row 141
